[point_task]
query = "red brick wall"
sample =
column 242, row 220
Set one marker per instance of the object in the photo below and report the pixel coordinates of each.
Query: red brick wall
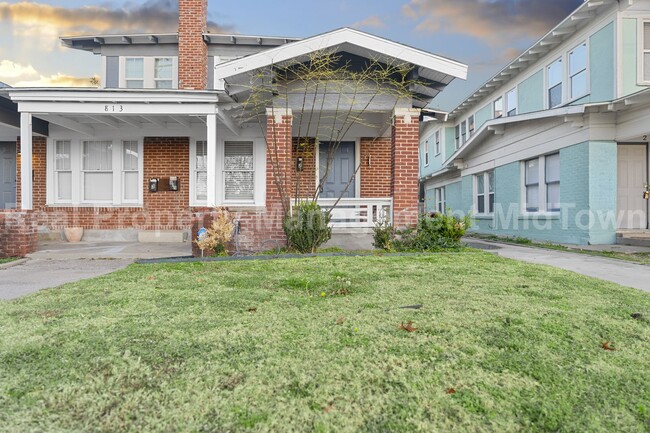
column 192, row 49
column 376, row 177
column 39, row 160
column 304, row 182
column 17, row 233
column 404, row 170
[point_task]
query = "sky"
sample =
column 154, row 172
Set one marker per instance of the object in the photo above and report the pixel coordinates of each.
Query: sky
column 484, row 34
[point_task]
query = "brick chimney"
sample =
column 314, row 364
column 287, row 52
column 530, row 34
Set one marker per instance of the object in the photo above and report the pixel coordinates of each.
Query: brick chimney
column 192, row 49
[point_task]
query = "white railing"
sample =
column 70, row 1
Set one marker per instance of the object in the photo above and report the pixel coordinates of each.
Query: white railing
column 358, row 213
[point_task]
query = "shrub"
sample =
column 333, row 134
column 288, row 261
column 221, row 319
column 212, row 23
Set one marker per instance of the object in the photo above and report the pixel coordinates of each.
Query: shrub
column 218, row 234
column 384, row 235
column 308, row 228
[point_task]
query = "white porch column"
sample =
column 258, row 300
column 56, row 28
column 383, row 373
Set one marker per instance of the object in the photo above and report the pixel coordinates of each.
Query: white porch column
column 212, row 159
column 26, row 161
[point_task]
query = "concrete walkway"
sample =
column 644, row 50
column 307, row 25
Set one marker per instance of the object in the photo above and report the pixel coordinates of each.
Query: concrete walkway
column 57, row 263
column 626, row 274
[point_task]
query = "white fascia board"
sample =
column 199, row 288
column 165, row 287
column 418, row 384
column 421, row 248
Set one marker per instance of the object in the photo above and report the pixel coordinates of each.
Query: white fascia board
column 108, row 96
column 337, row 38
column 116, row 109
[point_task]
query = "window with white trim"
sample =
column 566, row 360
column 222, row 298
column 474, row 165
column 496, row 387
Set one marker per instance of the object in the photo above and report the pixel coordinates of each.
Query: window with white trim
column 441, row 205
column 457, row 140
column 97, row 171
column 497, row 108
column 511, row 103
column 542, row 183
column 485, row 188
column 554, row 76
column 463, row 132
column 425, row 153
column 578, row 71
column 164, row 72
column 63, row 171
column 471, row 125
column 201, row 171
column 239, row 171
column 134, row 72
column 130, row 171
column 645, row 61
column 437, row 140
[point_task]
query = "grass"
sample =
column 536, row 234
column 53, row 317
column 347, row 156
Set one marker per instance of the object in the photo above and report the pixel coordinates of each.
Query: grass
column 637, row 257
column 316, row 345
column 7, row 260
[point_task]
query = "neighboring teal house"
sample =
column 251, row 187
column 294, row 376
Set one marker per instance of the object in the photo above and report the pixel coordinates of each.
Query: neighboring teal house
column 555, row 146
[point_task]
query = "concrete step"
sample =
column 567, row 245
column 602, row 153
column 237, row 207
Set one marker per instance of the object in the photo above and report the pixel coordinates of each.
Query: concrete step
column 633, row 241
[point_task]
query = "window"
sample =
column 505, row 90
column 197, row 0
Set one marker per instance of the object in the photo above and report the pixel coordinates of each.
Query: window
column 426, row 153
column 163, row 72
column 97, row 170
column 130, row 172
column 463, row 132
column 63, row 171
column 457, row 142
column 646, row 52
column 201, row 171
column 578, row 71
column 542, row 183
column 554, row 81
column 239, row 171
column 437, row 140
column 470, row 125
column 440, row 200
column 485, row 193
column 134, row 72
column 498, row 108
column 511, row 102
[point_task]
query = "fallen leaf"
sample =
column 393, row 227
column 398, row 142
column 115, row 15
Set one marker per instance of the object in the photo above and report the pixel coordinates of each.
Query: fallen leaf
column 606, row 346
column 151, row 278
column 252, row 310
column 340, row 320
column 329, row 408
column 408, row 327
column 451, row 391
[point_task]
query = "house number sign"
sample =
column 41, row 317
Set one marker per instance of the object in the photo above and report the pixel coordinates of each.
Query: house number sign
column 114, row 108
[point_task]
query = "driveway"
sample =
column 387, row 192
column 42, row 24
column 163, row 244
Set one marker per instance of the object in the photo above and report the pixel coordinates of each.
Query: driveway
column 617, row 271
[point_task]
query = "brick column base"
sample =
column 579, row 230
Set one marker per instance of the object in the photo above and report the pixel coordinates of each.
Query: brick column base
column 18, row 235
column 404, row 167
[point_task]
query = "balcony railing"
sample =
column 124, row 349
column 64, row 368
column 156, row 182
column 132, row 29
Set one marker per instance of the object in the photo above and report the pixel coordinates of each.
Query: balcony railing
column 358, row 213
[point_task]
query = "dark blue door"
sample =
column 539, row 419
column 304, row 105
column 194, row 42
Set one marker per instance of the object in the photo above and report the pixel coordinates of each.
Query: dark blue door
column 341, row 169
column 7, row 175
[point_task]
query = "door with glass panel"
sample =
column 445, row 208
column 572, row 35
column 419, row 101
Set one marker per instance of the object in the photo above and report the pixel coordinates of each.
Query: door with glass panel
column 7, row 175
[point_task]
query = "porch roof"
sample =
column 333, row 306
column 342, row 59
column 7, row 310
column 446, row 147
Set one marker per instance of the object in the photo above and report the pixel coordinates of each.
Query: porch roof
column 435, row 70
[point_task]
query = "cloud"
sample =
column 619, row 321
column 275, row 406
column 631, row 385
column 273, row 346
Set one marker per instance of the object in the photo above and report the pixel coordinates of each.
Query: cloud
column 372, row 21
column 10, row 71
column 58, row 80
column 152, row 16
column 496, row 22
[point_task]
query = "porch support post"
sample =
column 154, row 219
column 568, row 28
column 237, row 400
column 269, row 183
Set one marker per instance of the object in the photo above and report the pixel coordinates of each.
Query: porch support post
column 26, row 161
column 212, row 159
column 405, row 166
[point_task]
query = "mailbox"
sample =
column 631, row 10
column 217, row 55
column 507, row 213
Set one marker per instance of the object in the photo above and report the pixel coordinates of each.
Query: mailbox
column 153, row 184
column 173, row 183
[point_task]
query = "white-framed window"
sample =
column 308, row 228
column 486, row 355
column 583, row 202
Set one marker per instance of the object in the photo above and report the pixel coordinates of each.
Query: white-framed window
column 554, row 77
column 457, row 140
column 425, row 153
column 200, row 175
column 463, row 132
column 497, row 108
column 148, row 72
column 441, row 205
column 578, row 78
column 484, row 193
column 63, row 171
column 542, row 184
column 511, row 103
column 131, row 185
column 471, row 125
column 239, row 171
column 103, row 171
column 644, row 63
column 437, row 141
column 163, row 72
column 134, row 72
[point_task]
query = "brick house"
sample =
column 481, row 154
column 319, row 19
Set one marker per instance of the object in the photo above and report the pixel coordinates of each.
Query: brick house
column 165, row 139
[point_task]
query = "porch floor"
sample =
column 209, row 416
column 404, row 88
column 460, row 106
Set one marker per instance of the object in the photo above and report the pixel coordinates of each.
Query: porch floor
column 59, row 250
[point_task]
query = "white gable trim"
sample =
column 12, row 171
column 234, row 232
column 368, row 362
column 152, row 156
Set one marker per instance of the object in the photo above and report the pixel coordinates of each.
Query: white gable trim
column 338, row 38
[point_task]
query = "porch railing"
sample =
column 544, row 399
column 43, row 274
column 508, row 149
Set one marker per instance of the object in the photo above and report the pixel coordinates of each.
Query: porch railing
column 358, row 213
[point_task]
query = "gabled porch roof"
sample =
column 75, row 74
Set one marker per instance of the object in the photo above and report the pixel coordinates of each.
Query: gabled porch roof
column 435, row 71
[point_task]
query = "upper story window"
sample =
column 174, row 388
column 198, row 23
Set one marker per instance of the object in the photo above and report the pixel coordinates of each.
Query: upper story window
column 471, row 125
column 578, row 71
column 511, row 102
column 463, row 132
column 148, row 72
column 425, row 153
column 498, row 108
column 646, row 52
column 554, row 75
column 437, row 141
column 457, row 142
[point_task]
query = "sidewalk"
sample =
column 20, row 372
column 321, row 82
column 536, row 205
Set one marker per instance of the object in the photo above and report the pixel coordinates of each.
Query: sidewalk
column 617, row 271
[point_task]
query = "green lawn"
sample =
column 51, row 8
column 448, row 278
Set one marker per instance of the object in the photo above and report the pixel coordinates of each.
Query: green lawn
column 7, row 260
column 315, row 345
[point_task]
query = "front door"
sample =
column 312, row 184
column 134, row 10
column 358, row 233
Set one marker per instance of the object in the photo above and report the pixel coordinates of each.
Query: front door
column 339, row 181
column 7, row 175
column 632, row 178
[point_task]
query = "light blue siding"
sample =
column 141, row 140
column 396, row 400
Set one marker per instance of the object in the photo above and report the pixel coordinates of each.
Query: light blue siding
column 601, row 65
column 483, row 115
column 630, row 57
column 454, row 196
column 531, row 94
column 112, row 72
column 450, row 142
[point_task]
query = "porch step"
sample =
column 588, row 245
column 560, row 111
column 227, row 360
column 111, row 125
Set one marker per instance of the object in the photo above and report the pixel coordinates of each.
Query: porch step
column 162, row 236
column 634, row 239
